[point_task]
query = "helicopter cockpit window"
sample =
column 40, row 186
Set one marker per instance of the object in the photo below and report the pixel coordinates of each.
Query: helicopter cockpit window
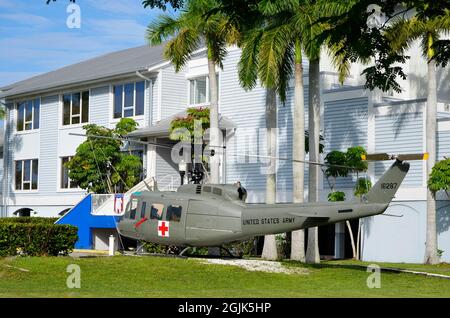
column 144, row 205
column 174, row 213
column 156, row 211
column 133, row 207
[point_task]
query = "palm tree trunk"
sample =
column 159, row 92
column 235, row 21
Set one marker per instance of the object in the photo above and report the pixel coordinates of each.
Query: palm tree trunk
column 312, row 251
column 431, row 256
column 270, row 245
column 298, row 152
column 352, row 239
column 215, row 132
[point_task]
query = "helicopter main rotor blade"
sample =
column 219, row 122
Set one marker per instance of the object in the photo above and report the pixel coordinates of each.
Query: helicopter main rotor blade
column 293, row 160
column 401, row 157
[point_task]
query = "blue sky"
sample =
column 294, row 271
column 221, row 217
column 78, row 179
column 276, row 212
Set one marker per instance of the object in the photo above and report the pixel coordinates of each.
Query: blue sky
column 35, row 39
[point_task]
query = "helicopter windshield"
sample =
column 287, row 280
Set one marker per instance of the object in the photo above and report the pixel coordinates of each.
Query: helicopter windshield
column 130, row 212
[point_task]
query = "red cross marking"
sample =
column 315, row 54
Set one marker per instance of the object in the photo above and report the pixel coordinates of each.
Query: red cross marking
column 163, row 228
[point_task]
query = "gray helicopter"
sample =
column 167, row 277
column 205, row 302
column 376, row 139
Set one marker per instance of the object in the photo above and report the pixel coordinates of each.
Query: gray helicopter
column 210, row 215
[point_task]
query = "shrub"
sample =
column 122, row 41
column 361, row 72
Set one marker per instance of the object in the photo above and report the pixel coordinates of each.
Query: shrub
column 38, row 237
column 34, row 220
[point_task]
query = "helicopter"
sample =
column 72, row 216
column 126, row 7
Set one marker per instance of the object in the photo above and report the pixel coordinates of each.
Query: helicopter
column 211, row 215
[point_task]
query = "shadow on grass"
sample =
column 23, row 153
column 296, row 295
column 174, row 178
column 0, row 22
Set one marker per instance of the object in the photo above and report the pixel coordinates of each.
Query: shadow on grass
column 362, row 268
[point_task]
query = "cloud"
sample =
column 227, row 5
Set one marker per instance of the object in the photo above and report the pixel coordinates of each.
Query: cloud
column 26, row 19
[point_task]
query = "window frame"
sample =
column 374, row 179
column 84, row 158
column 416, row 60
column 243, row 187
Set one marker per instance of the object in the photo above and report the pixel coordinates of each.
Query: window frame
column 61, row 174
column 80, row 115
column 33, row 115
column 135, row 99
column 208, row 91
column 22, row 172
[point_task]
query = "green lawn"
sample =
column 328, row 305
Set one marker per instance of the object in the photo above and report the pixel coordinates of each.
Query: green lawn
column 122, row 276
column 443, row 269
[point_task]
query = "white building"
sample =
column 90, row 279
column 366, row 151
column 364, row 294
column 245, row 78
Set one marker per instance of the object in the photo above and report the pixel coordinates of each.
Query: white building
column 138, row 83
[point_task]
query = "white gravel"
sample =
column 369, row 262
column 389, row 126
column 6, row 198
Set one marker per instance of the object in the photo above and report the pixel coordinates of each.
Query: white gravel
column 258, row 266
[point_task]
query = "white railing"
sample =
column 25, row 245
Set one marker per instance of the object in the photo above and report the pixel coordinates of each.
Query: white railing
column 106, row 204
column 109, row 204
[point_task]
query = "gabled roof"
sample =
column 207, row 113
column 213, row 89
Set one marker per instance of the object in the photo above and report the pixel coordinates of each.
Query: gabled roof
column 108, row 65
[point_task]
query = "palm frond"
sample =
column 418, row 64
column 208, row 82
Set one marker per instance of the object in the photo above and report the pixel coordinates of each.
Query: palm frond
column 275, row 44
column 179, row 49
column 403, row 32
column 248, row 63
column 162, row 28
column 285, row 73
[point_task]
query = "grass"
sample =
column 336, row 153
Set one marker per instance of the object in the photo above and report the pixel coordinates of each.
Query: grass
column 122, row 276
column 442, row 269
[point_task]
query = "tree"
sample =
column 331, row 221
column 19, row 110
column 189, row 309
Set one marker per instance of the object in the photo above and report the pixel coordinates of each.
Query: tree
column 440, row 177
column 272, row 52
column 401, row 34
column 162, row 4
column 100, row 166
column 340, row 164
column 270, row 245
column 191, row 129
column 186, row 33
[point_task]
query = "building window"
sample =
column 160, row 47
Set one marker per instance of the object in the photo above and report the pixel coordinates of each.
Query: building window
column 199, row 92
column 129, row 99
column 76, row 108
column 26, row 174
column 66, row 182
column 28, row 114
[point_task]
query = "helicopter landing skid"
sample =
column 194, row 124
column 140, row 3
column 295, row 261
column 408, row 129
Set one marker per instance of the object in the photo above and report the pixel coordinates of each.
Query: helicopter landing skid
column 230, row 255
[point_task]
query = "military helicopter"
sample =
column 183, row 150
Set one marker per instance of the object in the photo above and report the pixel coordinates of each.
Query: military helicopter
column 210, row 215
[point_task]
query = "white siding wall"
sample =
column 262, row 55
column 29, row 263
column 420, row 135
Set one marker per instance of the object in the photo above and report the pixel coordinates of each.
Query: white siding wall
column 99, row 105
column 345, row 125
column 247, row 111
column 400, row 133
column 285, row 122
column 49, row 144
column 443, row 144
column 174, row 92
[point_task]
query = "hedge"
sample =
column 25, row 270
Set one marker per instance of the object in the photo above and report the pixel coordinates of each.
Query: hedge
column 35, row 237
column 34, row 220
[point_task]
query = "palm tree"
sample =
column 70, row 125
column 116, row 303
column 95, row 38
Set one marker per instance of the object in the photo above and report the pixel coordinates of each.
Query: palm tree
column 402, row 33
column 272, row 52
column 186, row 32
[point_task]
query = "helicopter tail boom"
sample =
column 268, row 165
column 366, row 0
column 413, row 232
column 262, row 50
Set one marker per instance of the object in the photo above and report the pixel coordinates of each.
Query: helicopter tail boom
column 386, row 187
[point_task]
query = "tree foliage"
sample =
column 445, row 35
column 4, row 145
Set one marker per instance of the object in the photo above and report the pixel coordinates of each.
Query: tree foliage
column 187, row 124
column 440, row 177
column 195, row 26
column 336, row 196
column 99, row 165
column 162, row 4
column 340, row 164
